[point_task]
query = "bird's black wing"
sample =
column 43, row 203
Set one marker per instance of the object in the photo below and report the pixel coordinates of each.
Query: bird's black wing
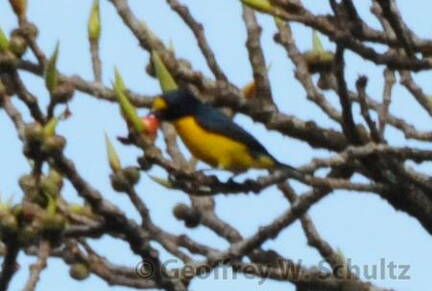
column 215, row 121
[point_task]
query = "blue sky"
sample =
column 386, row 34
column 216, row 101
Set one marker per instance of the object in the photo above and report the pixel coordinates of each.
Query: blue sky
column 363, row 226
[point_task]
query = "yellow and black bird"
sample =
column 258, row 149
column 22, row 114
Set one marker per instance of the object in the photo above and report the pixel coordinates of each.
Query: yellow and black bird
column 211, row 136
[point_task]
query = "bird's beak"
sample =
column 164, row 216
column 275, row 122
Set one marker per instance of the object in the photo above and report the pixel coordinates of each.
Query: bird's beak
column 159, row 105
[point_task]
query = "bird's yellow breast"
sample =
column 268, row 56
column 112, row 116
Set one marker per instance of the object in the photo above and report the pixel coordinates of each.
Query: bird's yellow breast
column 218, row 150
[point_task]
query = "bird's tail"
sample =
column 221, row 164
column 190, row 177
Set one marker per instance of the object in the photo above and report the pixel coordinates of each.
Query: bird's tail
column 290, row 170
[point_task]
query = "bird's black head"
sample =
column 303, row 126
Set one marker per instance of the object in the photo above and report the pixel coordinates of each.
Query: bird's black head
column 174, row 104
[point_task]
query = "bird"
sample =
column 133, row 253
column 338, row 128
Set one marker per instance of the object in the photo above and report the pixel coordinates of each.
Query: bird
column 211, row 136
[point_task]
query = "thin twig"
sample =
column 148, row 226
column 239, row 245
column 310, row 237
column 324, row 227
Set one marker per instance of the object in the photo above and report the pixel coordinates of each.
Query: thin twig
column 361, row 89
column 37, row 268
column 384, row 112
column 198, row 30
column 256, row 56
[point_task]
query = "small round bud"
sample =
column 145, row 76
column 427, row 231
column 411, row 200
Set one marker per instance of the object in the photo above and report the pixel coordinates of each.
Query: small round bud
column 18, row 45
column 28, row 235
column 30, row 30
column 64, row 92
column 181, row 211
column 56, row 178
column 52, row 224
column 79, row 271
column 132, row 174
column 8, row 224
column 53, row 144
column 8, row 60
column 319, row 61
column 28, row 183
column 49, row 187
column 190, row 216
column 119, row 182
column 33, row 194
column 33, row 132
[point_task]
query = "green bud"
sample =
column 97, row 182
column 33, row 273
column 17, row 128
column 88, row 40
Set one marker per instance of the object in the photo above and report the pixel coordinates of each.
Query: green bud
column 27, row 183
column 161, row 181
column 18, row 45
column 166, row 81
column 81, row 210
column 53, row 224
column 28, row 234
column 53, row 144
column 119, row 182
column 132, row 174
column 318, row 59
column 316, row 42
column 49, row 187
column 113, row 158
column 128, row 110
column 79, row 271
column 8, row 224
column 4, row 42
column 34, row 132
column 260, row 5
column 29, row 29
column 94, row 22
column 8, row 59
column 32, row 191
column 75, row 208
column 6, row 205
column 50, row 127
column 51, row 74
column 55, row 177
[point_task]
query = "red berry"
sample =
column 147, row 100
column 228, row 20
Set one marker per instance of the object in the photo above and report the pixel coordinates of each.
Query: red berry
column 151, row 123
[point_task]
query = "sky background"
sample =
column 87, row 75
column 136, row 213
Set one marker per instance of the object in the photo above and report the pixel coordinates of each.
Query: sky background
column 363, row 226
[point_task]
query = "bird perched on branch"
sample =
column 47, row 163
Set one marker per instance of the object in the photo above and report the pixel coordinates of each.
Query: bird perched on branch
column 211, row 136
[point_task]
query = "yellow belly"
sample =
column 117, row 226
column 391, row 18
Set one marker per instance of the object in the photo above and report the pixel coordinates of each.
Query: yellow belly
column 217, row 150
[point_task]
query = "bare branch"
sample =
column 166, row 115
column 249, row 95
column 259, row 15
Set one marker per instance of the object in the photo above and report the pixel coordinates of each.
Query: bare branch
column 37, row 268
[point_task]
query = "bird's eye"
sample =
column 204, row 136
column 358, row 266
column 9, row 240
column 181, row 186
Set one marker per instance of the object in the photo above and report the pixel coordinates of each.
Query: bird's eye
column 159, row 104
